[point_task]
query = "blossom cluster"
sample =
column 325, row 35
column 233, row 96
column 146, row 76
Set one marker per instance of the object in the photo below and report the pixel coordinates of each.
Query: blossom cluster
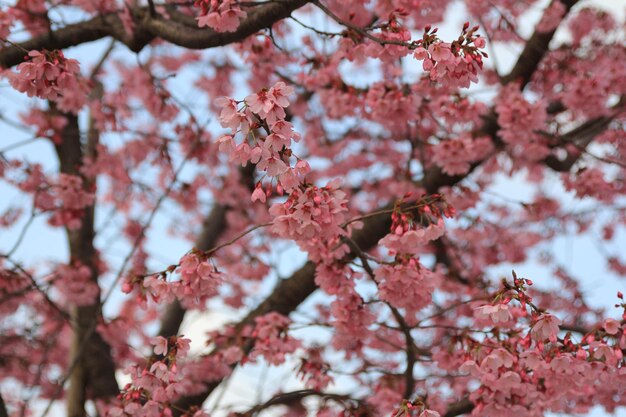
column 199, row 281
column 271, row 340
column 498, row 314
column 454, row 63
column 408, row 235
column 313, row 217
column 49, row 75
column 75, row 284
column 590, row 182
column 352, row 319
column 406, row 284
column 6, row 21
column 66, row 198
column 220, row 15
column 529, row 379
column 455, row 156
column 390, row 105
column 519, row 120
column 139, row 83
column 529, row 372
column 155, row 386
column 271, row 153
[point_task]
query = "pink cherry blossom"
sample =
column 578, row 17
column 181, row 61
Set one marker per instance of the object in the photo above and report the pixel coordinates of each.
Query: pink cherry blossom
column 49, row 75
column 411, row 242
column 160, row 345
column 546, row 327
column 497, row 313
column 271, row 341
column 611, row 326
column 222, row 16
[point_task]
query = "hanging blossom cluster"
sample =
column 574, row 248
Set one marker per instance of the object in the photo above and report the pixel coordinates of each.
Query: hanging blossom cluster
column 406, row 283
column 199, row 281
column 220, row 15
column 271, row 338
column 51, row 76
column 75, row 284
column 262, row 112
column 455, row 156
column 454, row 63
column 529, row 373
column 519, row 120
column 155, row 386
column 65, row 199
column 312, row 217
column 414, row 224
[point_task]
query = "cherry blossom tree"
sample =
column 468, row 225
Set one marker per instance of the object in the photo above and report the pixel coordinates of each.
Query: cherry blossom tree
column 365, row 138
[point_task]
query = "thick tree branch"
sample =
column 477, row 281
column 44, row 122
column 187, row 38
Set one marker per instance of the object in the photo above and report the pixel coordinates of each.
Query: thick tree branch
column 288, row 398
column 147, row 29
column 294, row 397
column 462, row 407
column 411, row 353
column 534, row 51
column 213, row 227
column 3, row 408
column 70, row 35
column 94, row 373
column 202, row 38
column 581, row 137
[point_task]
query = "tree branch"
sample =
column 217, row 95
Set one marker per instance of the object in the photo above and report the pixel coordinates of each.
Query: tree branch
column 462, row 407
column 147, row 29
column 409, row 380
column 203, row 38
column 95, row 369
column 213, row 227
column 534, row 51
column 288, row 398
column 581, row 137
column 3, row 408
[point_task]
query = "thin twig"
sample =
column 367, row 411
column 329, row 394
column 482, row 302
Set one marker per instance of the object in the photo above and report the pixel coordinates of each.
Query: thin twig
column 361, row 31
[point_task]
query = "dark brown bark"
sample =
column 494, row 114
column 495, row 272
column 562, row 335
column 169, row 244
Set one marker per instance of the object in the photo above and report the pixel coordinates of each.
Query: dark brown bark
column 581, row 137
column 3, row 408
column 534, row 51
column 148, row 28
column 93, row 374
column 212, row 228
column 462, row 407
